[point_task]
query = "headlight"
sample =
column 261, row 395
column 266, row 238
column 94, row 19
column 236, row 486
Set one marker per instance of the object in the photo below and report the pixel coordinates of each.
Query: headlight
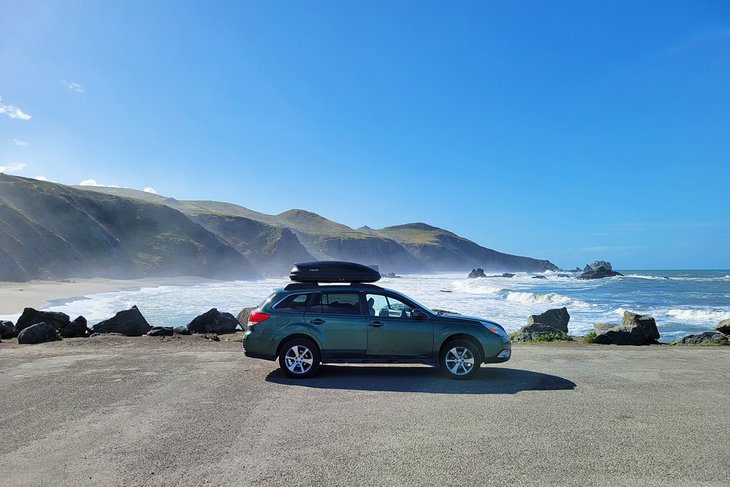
column 494, row 328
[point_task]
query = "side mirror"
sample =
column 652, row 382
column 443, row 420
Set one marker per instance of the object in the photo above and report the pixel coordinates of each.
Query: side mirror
column 417, row 314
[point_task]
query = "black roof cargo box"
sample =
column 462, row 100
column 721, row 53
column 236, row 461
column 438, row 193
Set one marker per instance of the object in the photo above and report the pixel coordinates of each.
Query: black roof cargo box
column 333, row 271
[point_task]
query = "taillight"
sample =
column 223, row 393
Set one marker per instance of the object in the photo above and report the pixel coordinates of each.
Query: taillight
column 257, row 317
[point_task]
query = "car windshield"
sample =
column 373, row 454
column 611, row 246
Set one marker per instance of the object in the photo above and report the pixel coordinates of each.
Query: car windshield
column 415, row 303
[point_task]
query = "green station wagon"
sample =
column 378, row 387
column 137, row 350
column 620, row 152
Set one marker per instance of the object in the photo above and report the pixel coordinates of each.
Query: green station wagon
column 307, row 324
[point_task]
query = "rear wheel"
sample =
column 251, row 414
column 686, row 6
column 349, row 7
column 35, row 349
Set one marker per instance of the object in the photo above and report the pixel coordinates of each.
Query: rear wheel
column 299, row 358
column 460, row 359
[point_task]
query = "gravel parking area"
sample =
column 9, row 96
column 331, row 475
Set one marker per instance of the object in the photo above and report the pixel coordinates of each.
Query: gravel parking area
column 187, row 411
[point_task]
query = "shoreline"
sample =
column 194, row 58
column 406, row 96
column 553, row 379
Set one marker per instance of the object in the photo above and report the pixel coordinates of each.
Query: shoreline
column 15, row 296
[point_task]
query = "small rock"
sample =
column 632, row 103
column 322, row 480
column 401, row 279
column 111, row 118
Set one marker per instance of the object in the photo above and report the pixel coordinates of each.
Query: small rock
column 539, row 277
column 724, row 327
column 535, row 330
column 706, row 338
column 37, row 333
column 160, row 331
column 563, row 275
column 507, row 274
column 181, row 330
column 242, row 317
column 7, row 330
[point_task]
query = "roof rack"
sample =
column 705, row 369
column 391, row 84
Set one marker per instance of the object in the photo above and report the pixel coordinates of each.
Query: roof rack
column 295, row 286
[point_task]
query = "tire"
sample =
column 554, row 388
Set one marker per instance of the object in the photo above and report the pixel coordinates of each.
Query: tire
column 460, row 359
column 299, row 358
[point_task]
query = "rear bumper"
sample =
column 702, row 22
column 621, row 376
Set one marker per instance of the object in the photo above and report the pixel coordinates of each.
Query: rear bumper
column 264, row 356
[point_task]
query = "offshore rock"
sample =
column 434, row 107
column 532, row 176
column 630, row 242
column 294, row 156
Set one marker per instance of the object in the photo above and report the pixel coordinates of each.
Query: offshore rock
column 476, row 273
column 706, row 338
column 598, row 273
column 213, row 321
column 129, row 323
column 37, row 333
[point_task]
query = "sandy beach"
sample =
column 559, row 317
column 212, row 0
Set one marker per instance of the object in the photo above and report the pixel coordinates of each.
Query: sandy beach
column 14, row 296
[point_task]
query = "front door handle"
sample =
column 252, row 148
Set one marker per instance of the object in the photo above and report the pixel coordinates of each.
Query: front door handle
column 375, row 324
column 317, row 321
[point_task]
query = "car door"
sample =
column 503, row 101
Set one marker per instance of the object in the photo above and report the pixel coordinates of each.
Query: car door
column 336, row 319
column 392, row 331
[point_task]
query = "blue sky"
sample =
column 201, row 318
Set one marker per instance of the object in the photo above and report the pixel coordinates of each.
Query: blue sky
column 563, row 130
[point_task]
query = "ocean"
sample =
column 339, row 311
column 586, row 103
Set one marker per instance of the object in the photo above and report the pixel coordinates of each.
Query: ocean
column 683, row 302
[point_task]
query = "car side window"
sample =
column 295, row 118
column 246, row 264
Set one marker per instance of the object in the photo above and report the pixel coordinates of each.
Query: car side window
column 336, row 303
column 295, row 302
column 386, row 306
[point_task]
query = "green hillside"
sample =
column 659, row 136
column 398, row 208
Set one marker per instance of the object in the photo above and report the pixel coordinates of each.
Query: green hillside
column 53, row 231
column 123, row 231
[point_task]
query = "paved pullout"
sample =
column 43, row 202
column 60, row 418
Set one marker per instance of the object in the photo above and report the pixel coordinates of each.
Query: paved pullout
column 187, row 411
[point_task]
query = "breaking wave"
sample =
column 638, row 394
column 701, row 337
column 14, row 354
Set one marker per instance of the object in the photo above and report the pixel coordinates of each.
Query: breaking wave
column 549, row 298
column 699, row 314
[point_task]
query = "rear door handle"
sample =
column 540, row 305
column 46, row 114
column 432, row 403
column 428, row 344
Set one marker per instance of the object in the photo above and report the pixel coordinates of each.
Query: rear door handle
column 375, row 324
column 317, row 321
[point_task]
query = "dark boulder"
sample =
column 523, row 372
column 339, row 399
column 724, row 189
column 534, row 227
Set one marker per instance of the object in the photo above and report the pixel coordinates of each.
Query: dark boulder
column 476, row 273
column 551, row 322
column 554, row 318
column 7, row 330
column 160, row 331
column 242, row 317
column 37, row 333
column 213, row 321
column 59, row 321
column 724, row 327
column 635, row 329
column 539, row 277
column 706, row 338
column 181, row 330
column 507, row 274
column 536, row 330
column 599, row 273
column 32, row 316
column 128, row 322
column 563, row 275
column 77, row 328
column 645, row 323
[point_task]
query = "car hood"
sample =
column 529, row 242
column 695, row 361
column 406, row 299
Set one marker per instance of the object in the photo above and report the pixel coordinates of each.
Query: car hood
column 473, row 320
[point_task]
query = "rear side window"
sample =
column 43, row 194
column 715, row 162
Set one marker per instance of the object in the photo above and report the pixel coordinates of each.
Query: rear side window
column 336, row 303
column 295, row 302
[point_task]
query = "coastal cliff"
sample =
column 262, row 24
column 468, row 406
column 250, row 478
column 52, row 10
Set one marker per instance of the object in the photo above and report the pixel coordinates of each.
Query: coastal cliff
column 51, row 231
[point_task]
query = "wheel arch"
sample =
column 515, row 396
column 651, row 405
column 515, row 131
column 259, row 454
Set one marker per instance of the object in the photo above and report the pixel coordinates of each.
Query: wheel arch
column 297, row 335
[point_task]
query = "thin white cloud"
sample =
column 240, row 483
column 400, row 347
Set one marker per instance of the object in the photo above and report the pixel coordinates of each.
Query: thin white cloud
column 20, row 143
column 13, row 167
column 41, row 178
column 13, row 111
column 150, row 190
column 92, row 182
column 73, row 86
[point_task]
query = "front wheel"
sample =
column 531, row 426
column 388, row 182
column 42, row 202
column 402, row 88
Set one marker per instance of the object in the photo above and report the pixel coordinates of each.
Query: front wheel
column 299, row 358
column 460, row 359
